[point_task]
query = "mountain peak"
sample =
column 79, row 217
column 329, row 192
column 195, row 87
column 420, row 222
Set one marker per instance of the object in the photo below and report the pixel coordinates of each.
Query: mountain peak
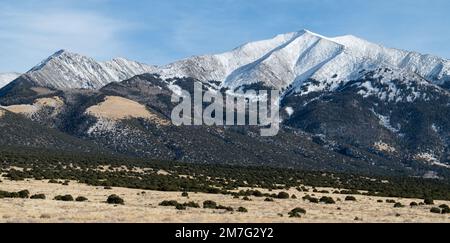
column 57, row 54
column 60, row 52
column 67, row 70
column 306, row 31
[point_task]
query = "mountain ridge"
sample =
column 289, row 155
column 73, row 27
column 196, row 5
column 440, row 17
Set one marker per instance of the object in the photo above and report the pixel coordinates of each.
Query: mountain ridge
column 65, row 70
column 282, row 62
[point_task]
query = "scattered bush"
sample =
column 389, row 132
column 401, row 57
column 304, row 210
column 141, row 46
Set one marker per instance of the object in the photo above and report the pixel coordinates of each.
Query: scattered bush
column 327, row 200
column 53, row 181
column 398, row 205
column 230, row 209
column 390, row 201
column 413, row 204
column 4, row 194
column 24, row 194
column 445, row 210
column 443, row 206
column 65, row 198
column 310, row 199
column 293, row 196
column 180, row 207
column 268, row 199
column 246, row 198
column 257, row 193
column 299, row 210
column 379, row 201
column 45, row 216
column 350, row 198
column 107, row 188
column 209, row 204
column 20, row 194
column 192, row 205
column 114, row 199
column 242, row 210
column 428, row 201
column 185, row 194
column 38, row 196
column 81, row 199
column 166, row 203
column 296, row 212
column 236, row 197
column 283, row 195
column 435, row 210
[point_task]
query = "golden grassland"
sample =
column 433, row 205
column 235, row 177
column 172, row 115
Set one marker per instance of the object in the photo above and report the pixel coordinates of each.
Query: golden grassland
column 144, row 207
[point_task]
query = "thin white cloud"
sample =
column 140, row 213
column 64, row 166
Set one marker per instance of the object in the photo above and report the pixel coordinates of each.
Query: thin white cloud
column 38, row 33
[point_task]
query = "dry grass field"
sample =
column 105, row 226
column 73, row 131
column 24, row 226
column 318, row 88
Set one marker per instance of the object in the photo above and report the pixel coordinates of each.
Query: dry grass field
column 142, row 206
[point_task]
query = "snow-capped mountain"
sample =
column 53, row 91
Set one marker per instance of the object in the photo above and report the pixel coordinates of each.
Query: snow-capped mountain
column 288, row 60
column 6, row 78
column 285, row 62
column 347, row 104
column 66, row 70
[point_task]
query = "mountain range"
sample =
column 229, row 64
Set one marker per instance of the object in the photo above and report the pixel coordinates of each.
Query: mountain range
column 347, row 105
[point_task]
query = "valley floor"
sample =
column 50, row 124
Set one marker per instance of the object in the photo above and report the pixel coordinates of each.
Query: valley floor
column 143, row 207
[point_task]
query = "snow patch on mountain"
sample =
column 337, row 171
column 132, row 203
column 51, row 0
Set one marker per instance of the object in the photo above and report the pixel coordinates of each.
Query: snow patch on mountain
column 396, row 85
column 385, row 121
column 6, row 78
column 430, row 158
column 384, row 147
column 289, row 110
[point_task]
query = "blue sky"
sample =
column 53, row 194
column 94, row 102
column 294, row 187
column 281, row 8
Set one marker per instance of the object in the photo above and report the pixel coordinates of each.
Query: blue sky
column 161, row 31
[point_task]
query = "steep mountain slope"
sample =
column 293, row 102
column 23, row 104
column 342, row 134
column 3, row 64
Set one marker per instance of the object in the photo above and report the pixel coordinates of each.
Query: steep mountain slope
column 396, row 113
column 17, row 131
column 6, row 78
column 65, row 70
